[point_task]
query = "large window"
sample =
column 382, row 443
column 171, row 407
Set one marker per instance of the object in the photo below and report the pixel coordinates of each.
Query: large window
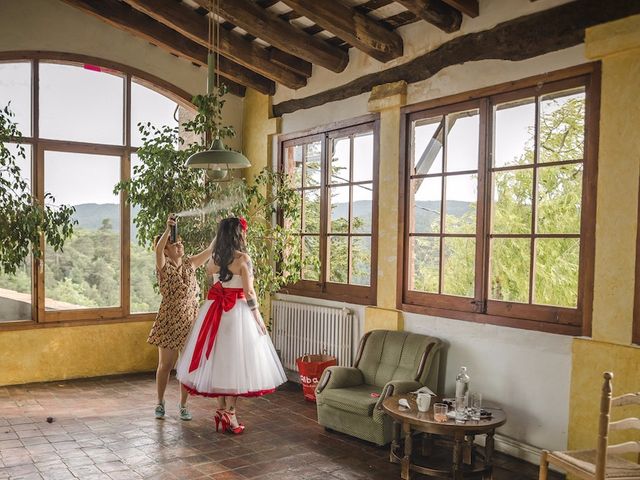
column 79, row 126
column 335, row 173
column 499, row 207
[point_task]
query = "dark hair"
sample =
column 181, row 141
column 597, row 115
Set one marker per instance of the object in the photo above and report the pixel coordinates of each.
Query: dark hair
column 229, row 239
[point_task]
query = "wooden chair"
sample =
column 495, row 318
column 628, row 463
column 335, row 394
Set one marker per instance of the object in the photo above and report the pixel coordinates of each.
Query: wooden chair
column 603, row 462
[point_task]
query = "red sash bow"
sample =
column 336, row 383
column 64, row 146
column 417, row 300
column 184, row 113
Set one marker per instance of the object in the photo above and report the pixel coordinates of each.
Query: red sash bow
column 224, row 299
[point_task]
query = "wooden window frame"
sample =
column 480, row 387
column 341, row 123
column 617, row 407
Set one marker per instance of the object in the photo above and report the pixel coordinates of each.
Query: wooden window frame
column 635, row 334
column 323, row 289
column 479, row 309
column 85, row 316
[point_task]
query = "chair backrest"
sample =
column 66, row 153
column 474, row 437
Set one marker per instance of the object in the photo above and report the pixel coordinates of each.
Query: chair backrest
column 606, row 402
column 386, row 355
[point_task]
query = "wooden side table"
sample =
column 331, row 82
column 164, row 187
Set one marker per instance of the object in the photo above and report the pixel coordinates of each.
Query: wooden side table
column 462, row 434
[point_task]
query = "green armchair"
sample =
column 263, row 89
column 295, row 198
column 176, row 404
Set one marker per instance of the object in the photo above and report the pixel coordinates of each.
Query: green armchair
column 387, row 363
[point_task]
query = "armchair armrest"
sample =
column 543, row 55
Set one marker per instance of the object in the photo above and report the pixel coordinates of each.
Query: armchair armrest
column 339, row 377
column 396, row 387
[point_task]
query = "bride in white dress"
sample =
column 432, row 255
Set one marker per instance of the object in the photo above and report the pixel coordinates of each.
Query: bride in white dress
column 228, row 353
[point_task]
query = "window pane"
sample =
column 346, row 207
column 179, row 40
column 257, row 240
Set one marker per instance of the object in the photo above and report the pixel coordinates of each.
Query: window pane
column 147, row 105
column 458, row 267
column 562, row 127
column 340, row 160
column 427, row 146
column 15, row 289
column 462, row 199
column 293, row 164
column 363, row 158
column 362, row 208
column 312, row 164
column 81, row 104
column 338, row 255
column 463, row 130
column 312, row 211
column 339, row 204
column 511, row 203
column 361, row 260
column 556, row 272
column 559, row 199
column 311, row 258
column 22, row 155
column 509, row 269
column 144, row 297
column 87, row 273
column 426, row 204
column 15, row 294
column 15, row 87
column 514, row 133
column 425, row 259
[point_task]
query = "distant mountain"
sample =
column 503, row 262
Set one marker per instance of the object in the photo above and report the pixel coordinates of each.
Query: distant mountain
column 426, row 211
column 91, row 215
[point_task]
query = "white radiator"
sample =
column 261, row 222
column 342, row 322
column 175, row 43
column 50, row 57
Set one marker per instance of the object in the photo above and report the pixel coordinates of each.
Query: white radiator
column 300, row 328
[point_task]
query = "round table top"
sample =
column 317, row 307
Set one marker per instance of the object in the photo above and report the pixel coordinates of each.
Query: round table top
column 425, row 422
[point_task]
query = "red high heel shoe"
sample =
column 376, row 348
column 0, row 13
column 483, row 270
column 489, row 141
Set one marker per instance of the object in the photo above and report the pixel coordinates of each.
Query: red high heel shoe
column 220, row 421
column 226, row 418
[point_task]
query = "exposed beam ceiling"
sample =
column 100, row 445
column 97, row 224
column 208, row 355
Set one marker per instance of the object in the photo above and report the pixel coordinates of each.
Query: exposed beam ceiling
column 122, row 16
column 186, row 21
column 266, row 25
column 435, row 12
column 468, row 7
column 362, row 32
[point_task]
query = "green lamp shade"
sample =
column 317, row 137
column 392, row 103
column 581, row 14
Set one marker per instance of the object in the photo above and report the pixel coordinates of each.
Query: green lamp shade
column 218, row 158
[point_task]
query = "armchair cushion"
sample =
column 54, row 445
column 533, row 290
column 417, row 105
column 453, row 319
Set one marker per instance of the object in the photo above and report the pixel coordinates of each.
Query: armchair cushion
column 339, row 377
column 353, row 399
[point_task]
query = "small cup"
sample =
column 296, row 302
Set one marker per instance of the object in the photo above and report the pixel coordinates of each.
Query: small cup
column 424, row 401
column 475, row 405
column 440, row 412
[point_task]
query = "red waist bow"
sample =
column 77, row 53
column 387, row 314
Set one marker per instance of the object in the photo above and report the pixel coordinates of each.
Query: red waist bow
column 224, row 299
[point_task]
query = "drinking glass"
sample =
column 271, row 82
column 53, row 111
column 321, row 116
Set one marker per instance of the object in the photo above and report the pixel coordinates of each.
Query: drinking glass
column 461, row 409
column 475, row 405
column 423, row 400
column 440, row 412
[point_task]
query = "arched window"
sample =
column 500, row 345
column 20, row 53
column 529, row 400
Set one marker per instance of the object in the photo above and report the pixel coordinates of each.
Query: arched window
column 79, row 121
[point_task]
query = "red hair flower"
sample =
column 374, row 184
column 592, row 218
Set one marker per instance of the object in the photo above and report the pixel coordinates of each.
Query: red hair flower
column 243, row 223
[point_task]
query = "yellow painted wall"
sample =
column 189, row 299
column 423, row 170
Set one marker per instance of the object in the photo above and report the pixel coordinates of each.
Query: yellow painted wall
column 387, row 100
column 590, row 359
column 617, row 44
column 59, row 353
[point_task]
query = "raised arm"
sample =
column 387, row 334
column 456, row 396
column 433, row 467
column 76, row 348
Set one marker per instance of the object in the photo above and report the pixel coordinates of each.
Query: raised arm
column 162, row 243
column 246, row 271
column 199, row 259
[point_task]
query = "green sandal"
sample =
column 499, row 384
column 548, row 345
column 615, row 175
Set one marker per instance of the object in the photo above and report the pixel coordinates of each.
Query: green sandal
column 160, row 410
column 184, row 413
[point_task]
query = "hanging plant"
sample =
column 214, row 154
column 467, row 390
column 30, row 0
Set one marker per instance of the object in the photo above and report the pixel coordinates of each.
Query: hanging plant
column 24, row 218
column 162, row 184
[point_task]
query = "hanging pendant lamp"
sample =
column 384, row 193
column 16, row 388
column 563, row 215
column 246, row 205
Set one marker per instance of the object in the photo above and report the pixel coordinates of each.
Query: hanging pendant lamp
column 217, row 157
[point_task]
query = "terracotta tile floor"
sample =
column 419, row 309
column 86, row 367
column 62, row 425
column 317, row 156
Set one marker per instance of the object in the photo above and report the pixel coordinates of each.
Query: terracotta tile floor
column 105, row 429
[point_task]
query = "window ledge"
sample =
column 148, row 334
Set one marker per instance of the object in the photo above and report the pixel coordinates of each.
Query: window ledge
column 547, row 327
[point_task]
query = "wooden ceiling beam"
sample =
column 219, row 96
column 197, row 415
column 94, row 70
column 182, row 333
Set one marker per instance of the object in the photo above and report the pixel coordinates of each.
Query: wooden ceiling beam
column 293, row 63
column 184, row 20
column 362, row 32
column 126, row 18
column 267, row 26
column 436, row 12
column 468, row 7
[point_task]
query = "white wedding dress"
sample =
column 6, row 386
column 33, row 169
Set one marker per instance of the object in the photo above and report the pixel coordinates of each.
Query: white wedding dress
column 241, row 361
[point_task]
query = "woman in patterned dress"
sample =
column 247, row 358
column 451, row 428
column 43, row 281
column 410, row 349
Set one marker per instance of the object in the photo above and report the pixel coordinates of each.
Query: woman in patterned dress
column 178, row 309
